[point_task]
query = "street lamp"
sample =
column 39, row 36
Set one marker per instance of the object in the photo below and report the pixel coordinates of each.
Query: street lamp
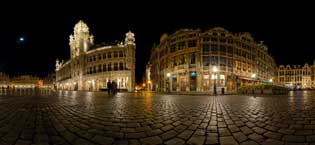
column 168, row 82
column 253, row 77
column 149, row 85
column 214, row 70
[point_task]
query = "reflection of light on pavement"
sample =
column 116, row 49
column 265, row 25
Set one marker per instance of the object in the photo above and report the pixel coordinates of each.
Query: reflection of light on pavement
column 119, row 95
column 291, row 93
column 148, row 101
column 74, row 94
column 88, row 98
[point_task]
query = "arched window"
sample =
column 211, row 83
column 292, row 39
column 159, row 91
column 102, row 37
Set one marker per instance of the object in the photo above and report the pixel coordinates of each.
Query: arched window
column 121, row 66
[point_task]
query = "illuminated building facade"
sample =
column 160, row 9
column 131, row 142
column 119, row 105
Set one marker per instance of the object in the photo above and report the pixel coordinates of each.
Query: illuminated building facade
column 26, row 82
column 91, row 66
column 49, row 82
column 296, row 76
column 185, row 60
column 4, row 80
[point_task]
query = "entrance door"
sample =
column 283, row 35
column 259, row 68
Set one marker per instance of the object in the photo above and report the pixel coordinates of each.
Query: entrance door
column 183, row 84
column 174, row 84
column 193, row 82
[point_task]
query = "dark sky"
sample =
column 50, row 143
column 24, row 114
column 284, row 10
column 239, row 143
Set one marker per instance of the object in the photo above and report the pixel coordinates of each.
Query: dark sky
column 287, row 28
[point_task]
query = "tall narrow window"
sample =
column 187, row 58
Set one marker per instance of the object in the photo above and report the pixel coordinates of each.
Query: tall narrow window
column 192, row 58
column 115, row 54
column 104, row 67
column 121, row 66
column 115, row 66
column 100, row 68
column 109, row 67
column 121, row 54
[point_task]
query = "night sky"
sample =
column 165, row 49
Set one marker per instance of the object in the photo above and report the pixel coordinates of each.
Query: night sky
column 287, row 29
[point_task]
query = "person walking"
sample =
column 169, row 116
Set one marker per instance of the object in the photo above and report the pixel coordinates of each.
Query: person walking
column 109, row 87
column 114, row 84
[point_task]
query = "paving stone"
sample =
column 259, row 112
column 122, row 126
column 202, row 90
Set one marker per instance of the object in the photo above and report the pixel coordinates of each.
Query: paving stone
column 41, row 138
column 224, row 132
column 200, row 132
column 212, row 128
column 176, row 123
column 196, row 140
column 175, row 141
column 259, row 130
column 239, row 136
column 212, row 138
column 272, row 128
column 228, row 140
column 135, row 135
column 167, row 127
column 185, row 134
column 310, row 138
column 250, row 124
column 304, row 132
column 246, row 130
column 168, row 135
column 180, row 128
column 128, row 130
column 27, row 134
column 69, row 136
column 23, row 142
column 81, row 141
column 102, row 140
column 193, row 127
column 154, row 132
column 273, row 142
column 290, row 143
column 294, row 138
column 249, row 142
column 273, row 135
column 256, row 137
column 154, row 140
column 58, row 140
column 120, row 142
column 233, row 128
column 222, row 124
column 229, row 122
column 134, row 142
column 286, row 131
column 203, row 125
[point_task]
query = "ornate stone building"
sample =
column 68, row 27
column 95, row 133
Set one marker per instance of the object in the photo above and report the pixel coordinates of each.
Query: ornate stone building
column 185, row 60
column 91, row 66
column 296, row 76
column 4, row 80
column 26, row 82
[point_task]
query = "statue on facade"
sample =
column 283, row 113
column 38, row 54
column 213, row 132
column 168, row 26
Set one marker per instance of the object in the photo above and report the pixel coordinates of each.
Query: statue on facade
column 58, row 64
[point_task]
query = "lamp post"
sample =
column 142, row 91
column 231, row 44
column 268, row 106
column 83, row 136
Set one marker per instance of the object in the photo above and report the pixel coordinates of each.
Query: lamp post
column 253, row 77
column 214, row 70
column 168, row 82
column 149, row 85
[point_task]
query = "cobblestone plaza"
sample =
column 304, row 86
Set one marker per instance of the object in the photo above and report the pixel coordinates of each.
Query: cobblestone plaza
column 93, row 118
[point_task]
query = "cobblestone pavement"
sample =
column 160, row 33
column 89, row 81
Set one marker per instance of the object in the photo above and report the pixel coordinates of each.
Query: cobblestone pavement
column 85, row 118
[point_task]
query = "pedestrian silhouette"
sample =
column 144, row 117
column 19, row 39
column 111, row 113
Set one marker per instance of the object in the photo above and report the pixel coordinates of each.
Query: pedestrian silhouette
column 109, row 87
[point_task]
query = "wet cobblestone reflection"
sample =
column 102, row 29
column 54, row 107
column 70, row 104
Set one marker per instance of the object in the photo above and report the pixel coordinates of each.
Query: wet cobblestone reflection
column 91, row 118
